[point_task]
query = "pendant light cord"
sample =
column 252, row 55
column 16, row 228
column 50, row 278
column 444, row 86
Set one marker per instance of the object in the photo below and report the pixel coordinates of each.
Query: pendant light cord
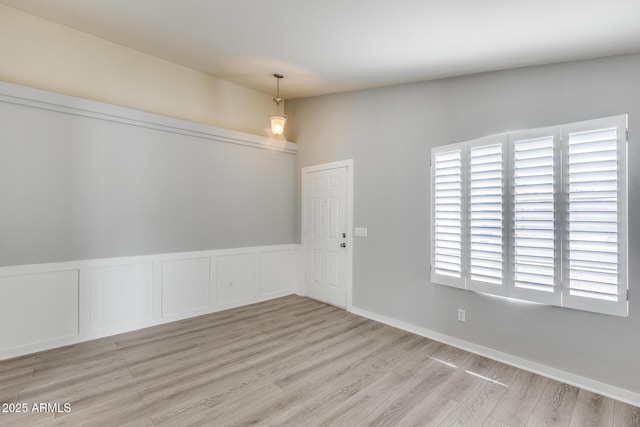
column 277, row 99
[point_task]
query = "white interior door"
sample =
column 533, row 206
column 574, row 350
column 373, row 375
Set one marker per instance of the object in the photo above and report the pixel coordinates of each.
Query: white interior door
column 325, row 235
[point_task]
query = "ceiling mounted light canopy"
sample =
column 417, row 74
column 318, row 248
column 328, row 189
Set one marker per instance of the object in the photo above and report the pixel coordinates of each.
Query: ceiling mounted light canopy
column 278, row 121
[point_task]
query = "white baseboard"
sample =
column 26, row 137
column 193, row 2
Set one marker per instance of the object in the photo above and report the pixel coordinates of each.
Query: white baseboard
column 598, row 387
column 44, row 306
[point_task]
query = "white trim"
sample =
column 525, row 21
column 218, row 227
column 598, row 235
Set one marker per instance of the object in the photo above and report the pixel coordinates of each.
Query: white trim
column 551, row 298
column 12, row 276
column 36, row 98
column 621, row 306
column 326, row 166
column 585, row 383
column 458, row 282
column 478, row 285
column 299, row 280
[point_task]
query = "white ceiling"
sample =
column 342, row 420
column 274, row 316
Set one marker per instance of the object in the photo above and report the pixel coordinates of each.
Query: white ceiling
column 326, row 46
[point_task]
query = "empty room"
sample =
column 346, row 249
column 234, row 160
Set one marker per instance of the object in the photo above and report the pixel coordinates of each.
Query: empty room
column 319, row 213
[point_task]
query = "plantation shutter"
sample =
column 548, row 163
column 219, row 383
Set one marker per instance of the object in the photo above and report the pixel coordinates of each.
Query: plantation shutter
column 535, row 245
column 595, row 191
column 447, row 262
column 539, row 215
column 486, row 215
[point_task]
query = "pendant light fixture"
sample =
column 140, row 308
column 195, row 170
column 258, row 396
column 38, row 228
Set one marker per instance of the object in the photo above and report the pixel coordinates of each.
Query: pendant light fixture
column 278, row 121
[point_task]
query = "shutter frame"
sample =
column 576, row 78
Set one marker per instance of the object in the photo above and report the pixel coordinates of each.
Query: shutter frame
column 555, row 296
column 458, row 282
column 476, row 284
column 619, row 307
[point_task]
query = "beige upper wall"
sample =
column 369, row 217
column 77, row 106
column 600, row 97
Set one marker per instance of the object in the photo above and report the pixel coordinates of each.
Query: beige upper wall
column 46, row 55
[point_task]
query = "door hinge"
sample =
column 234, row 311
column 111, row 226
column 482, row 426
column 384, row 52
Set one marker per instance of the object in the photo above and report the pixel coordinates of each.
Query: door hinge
column 627, row 294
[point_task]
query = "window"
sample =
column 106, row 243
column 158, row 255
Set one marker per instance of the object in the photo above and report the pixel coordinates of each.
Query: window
column 538, row 215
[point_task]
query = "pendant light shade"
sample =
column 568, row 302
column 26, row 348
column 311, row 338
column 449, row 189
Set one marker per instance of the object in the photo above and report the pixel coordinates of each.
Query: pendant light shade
column 278, row 120
column 277, row 124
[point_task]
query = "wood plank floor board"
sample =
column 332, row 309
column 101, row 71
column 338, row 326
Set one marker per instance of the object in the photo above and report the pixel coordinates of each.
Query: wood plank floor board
column 225, row 413
column 430, row 411
column 326, row 339
column 320, row 340
column 293, row 354
column 412, row 396
column 76, row 352
column 492, row 422
column 78, row 369
column 202, row 373
column 193, row 403
column 290, row 361
column 467, row 376
column 415, row 389
column 294, row 415
column 339, row 381
column 316, row 367
column 625, row 415
column 99, row 387
column 439, row 354
column 477, row 403
column 520, row 399
column 9, row 365
column 365, row 405
column 143, row 357
column 592, row 410
column 153, row 370
column 102, row 409
column 26, row 419
column 555, row 406
column 190, row 399
column 13, row 381
column 275, row 307
column 284, row 334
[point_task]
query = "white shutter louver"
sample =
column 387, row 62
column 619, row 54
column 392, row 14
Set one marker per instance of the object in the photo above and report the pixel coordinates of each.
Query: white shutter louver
column 486, row 190
column 447, row 212
column 534, row 214
column 593, row 219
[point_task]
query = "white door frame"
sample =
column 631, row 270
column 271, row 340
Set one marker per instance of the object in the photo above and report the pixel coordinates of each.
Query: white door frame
column 326, row 166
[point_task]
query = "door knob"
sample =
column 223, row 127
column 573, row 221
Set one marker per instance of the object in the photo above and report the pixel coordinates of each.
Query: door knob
column 343, row 245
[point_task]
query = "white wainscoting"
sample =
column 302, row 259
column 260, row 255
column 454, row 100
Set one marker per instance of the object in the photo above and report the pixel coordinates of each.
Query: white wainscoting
column 121, row 295
column 43, row 306
column 236, row 278
column 185, row 287
column 39, row 308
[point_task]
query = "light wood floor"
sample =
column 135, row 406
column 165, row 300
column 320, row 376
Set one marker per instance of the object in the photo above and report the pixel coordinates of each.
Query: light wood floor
column 290, row 361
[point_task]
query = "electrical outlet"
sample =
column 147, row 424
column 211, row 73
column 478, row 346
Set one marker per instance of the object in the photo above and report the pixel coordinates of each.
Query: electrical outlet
column 462, row 315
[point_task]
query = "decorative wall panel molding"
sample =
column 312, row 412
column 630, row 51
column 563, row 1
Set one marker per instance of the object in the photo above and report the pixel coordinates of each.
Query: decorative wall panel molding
column 121, row 295
column 38, row 309
column 185, row 286
column 43, row 306
column 236, row 278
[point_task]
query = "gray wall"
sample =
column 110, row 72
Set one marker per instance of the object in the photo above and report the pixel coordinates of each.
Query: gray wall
column 75, row 187
column 389, row 133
